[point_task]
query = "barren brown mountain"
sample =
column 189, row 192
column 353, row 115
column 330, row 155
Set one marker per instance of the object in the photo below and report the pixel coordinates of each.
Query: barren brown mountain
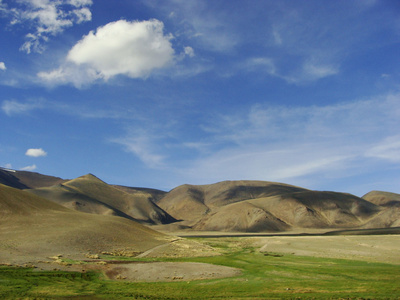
column 257, row 206
column 92, row 195
column 241, row 217
column 235, row 206
column 390, row 205
column 307, row 209
column 33, row 227
column 382, row 198
column 192, row 202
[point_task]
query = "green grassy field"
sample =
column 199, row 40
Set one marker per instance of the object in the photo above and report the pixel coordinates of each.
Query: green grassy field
column 265, row 276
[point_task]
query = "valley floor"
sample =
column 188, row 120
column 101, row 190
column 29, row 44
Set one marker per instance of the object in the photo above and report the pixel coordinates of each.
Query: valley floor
column 383, row 248
column 275, row 267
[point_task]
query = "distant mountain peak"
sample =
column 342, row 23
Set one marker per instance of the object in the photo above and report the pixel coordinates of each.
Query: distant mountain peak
column 90, row 176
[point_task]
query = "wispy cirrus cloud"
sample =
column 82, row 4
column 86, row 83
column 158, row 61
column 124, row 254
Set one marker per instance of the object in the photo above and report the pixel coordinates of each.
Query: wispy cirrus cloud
column 23, row 107
column 282, row 143
column 259, row 64
column 310, row 70
column 388, row 149
column 206, row 28
column 14, row 107
column 282, row 39
column 2, row 66
column 29, row 168
column 277, row 122
column 145, row 146
column 303, row 145
column 47, row 17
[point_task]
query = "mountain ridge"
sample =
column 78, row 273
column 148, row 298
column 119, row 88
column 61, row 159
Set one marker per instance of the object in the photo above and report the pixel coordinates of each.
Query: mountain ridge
column 241, row 205
column 90, row 194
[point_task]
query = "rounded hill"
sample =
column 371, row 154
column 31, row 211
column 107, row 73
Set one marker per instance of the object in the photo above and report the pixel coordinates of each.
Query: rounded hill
column 31, row 226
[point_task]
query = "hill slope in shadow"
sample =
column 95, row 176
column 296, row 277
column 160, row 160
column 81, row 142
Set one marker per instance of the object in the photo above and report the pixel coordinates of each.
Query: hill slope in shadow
column 27, row 180
column 91, row 195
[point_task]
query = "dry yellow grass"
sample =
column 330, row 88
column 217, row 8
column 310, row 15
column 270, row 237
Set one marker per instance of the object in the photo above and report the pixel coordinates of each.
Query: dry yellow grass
column 372, row 248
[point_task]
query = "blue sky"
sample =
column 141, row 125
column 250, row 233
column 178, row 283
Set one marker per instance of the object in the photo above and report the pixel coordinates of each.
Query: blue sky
column 161, row 93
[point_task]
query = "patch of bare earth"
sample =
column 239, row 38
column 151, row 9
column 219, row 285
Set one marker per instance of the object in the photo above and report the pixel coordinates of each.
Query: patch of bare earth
column 146, row 271
column 168, row 271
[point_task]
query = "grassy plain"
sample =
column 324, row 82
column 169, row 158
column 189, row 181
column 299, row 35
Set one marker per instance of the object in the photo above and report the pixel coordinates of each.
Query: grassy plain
column 265, row 275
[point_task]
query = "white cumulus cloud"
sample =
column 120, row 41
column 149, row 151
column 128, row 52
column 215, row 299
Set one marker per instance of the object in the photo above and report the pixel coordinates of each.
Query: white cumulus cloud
column 2, row 66
column 134, row 49
column 130, row 48
column 38, row 152
column 70, row 73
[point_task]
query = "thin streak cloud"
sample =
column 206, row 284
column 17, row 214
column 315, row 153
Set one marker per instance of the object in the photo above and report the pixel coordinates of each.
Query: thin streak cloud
column 14, row 107
column 29, row 168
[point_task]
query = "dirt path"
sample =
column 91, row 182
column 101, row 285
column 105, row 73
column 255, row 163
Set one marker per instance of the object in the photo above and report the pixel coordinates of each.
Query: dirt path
column 157, row 248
